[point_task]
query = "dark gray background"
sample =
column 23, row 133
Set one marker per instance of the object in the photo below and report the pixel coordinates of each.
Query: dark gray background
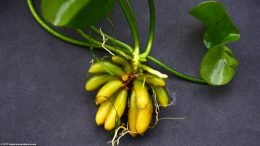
column 42, row 97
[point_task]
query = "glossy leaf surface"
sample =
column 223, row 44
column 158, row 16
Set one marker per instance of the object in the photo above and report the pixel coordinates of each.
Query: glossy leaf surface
column 218, row 66
column 220, row 28
column 75, row 13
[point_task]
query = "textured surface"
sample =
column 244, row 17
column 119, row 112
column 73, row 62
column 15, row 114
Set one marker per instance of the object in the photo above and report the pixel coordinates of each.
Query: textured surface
column 42, row 99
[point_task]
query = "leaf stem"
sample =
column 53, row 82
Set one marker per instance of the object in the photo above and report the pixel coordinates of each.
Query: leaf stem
column 175, row 72
column 130, row 17
column 151, row 29
column 52, row 31
column 85, row 44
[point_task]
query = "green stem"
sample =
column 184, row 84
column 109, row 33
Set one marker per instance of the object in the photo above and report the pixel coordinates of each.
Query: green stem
column 52, row 31
column 130, row 17
column 131, row 22
column 136, row 51
column 133, row 19
column 84, row 44
column 151, row 30
column 173, row 71
column 92, row 42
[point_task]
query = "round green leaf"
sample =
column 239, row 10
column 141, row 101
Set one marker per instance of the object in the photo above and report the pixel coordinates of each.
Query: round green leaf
column 218, row 66
column 75, row 13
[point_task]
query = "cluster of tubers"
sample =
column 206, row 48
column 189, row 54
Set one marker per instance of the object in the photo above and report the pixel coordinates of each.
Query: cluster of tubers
column 121, row 88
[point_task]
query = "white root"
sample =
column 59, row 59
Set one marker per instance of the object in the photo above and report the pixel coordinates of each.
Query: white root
column 118, row 135
column 104, row 42
column 157, row 110
column 92, row 61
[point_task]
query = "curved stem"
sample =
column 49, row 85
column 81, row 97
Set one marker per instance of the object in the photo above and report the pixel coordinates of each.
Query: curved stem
column 173, row 71
column 92, row 42
column 130, row 17
column 52, row 31
column 131, row 22
column 151, row 29
column 81, row 43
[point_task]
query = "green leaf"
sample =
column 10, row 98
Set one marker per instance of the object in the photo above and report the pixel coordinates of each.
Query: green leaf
column 75, row 13
column 218, row 66
column 220, row 28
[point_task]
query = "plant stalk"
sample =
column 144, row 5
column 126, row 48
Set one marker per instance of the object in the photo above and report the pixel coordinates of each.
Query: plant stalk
column 86, row 44
column 151, row 30
column 130, row 17
column 54, row 32
column 131, row 22
column 176, row 73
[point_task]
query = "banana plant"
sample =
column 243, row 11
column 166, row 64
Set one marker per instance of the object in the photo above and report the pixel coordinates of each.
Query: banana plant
column 124, row 77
